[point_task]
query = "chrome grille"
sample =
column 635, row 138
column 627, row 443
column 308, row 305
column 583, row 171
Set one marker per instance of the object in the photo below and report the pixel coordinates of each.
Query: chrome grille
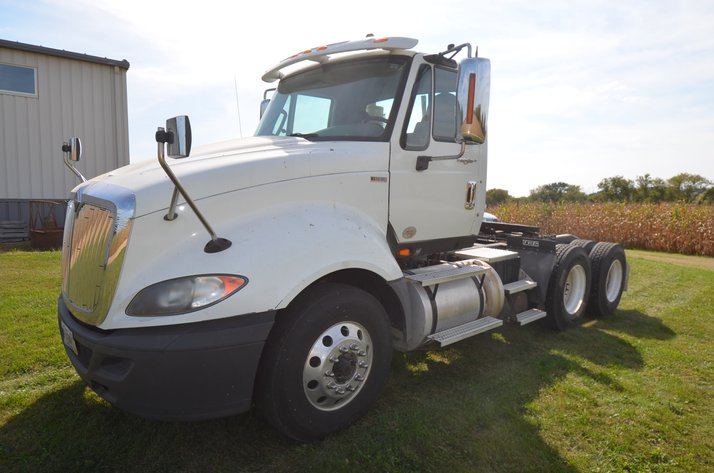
column 97, row 229
column 91, row 234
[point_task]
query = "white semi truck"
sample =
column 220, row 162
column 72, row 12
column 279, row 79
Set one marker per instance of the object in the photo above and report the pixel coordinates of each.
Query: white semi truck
column 284, row 269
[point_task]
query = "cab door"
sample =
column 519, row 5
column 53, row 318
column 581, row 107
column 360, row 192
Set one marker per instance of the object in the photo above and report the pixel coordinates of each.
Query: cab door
column 431, row 190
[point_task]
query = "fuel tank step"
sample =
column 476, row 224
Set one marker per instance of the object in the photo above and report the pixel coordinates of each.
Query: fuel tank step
column 460, row 332
column 518, row 286
column 441, row 275
column 530, row 315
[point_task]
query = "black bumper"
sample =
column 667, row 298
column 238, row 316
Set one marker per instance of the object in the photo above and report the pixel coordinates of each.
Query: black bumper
column 179, row 372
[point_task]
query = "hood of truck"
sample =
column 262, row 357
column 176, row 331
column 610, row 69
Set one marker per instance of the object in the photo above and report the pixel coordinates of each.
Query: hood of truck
column 239, row 164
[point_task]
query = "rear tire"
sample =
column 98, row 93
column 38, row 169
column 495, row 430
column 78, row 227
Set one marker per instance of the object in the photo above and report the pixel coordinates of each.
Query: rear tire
column 569, row 287
column 325, row 362
column 587, row 244
column 608, row 278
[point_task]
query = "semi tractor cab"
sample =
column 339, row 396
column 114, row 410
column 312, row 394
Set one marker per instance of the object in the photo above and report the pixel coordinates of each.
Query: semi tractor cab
column 282, row 270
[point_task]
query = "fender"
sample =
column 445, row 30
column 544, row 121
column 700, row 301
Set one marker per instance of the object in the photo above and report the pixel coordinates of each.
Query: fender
column 281, row 247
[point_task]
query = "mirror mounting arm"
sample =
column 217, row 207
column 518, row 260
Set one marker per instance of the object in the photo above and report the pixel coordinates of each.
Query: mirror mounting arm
column 422, row 163
column 216, row 244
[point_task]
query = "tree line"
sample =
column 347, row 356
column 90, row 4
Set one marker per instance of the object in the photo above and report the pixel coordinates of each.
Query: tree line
column 684, row 187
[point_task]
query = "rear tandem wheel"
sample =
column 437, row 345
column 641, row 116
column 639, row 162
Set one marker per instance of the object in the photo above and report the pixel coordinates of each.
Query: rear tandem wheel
column 569, row 287
column 608, row 278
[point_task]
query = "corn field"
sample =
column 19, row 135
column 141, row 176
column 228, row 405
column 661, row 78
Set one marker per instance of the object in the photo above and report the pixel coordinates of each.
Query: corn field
column 671, row 227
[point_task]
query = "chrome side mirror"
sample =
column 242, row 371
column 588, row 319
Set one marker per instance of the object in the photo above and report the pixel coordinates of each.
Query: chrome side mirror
column 472, row 94
column 75, row 152
column 178, row 130
column 72, row 149
column 177, row 138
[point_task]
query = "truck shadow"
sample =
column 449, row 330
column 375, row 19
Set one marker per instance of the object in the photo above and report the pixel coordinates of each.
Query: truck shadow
column 467, row 407
column 494, row 380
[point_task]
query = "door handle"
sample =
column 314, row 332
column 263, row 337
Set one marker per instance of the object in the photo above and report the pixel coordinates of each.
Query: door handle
column 470, row 195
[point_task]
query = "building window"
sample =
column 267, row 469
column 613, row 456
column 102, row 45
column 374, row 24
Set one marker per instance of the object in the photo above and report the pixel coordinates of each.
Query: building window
column 18, row 80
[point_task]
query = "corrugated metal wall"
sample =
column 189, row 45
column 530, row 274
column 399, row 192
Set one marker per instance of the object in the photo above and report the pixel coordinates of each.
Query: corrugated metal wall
column 74, row 98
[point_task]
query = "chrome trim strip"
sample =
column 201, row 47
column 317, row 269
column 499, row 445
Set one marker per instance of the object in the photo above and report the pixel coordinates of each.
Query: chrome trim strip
column 97, row 230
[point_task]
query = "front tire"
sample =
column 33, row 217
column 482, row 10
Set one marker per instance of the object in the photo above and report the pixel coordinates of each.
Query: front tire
column 325, row 363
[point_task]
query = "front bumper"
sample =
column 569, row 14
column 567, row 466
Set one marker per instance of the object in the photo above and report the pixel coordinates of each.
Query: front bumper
column 178, row 372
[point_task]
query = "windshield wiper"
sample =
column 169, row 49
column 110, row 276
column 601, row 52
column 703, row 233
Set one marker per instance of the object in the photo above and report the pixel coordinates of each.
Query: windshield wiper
column 307, row 136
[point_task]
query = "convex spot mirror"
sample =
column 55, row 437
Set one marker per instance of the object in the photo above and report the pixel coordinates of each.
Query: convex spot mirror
column 265, row 102
column 472, row 94
column 179, row 131
column 264, row 106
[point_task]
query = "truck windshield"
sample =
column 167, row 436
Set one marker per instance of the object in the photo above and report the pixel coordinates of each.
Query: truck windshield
column 348, row 100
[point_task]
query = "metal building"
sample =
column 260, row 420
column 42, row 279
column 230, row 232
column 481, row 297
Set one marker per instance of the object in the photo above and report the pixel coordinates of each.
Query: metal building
column 46, row 96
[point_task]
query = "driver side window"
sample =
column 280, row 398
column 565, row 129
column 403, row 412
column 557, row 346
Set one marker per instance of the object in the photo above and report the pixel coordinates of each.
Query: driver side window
column 445, row 107
column 417, row 128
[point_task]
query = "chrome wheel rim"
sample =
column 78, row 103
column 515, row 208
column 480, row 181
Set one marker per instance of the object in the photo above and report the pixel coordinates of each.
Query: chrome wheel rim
column 574, row 290
column 337, row 366
column 613, row 283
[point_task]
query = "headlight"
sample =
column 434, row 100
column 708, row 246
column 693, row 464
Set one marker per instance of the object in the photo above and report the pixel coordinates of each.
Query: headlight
column 182, row 295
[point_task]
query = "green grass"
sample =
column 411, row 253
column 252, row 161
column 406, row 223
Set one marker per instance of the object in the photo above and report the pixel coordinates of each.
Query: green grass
column 634, row 392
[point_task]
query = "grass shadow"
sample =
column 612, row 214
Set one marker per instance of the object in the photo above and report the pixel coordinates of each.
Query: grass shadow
column 637, row 324
column 71, row 429
column 465, row 408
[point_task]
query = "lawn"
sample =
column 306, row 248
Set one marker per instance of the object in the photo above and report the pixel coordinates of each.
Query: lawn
column 634, row 392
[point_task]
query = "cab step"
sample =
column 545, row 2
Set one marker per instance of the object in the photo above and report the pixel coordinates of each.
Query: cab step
column 442, row 275
column 460, row 332
column 530, row 315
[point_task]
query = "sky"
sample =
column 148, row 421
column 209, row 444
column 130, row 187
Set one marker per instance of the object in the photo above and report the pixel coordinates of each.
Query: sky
column 580, row 90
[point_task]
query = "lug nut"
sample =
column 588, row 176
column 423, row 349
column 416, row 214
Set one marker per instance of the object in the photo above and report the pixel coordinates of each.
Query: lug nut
column 362, row 353
column 354, row 347
column 340, row 390
column 344, row 349
column 363, row 364
column 359, row 378
column 329, row 374
column 332, row 386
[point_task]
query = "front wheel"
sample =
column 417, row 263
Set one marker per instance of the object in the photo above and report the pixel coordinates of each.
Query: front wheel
column 325, row 362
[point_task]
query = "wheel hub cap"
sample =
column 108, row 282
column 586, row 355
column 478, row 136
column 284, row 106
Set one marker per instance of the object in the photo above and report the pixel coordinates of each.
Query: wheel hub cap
column 574, row 291
column 337, row 366
column 613, row 281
